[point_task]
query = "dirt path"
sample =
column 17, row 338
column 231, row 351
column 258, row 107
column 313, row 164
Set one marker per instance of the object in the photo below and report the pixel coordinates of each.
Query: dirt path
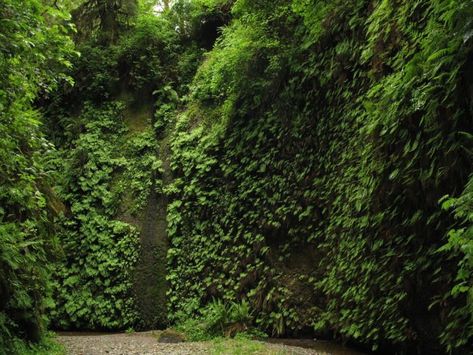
column 124, row 344
column 146, row 344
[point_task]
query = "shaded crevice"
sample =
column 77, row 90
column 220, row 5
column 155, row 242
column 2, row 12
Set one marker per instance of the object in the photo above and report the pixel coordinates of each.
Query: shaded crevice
column 150, row 272
column 149, row 280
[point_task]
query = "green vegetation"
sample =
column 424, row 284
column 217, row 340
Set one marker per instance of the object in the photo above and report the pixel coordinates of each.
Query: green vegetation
column 219, row 319
column 241, row 346
column 305, row 165
column 318, row 139
column 109, row 170
column 48, row 346
column 460, row 246
column 34, row 52
column 93, row 287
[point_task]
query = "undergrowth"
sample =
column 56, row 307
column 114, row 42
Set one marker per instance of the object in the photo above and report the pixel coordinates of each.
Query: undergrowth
column 218, row 319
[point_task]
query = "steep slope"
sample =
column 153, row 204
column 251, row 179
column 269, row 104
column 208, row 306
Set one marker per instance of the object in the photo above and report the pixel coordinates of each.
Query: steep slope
column 307, row 171
column 317, row 143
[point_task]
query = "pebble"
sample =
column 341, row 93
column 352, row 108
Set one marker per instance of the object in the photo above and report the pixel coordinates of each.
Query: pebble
column 146, row 344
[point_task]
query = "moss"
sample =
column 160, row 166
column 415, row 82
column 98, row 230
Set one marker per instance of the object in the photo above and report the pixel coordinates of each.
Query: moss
column 170, row 336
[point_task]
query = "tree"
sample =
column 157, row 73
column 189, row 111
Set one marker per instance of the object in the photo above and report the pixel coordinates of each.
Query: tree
column 105, row 18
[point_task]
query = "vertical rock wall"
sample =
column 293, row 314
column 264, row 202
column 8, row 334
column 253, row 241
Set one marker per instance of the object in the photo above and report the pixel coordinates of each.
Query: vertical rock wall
column 150, row 273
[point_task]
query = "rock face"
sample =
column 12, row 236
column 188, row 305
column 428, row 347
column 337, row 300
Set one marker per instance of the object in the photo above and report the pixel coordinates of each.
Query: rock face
column 150, row 272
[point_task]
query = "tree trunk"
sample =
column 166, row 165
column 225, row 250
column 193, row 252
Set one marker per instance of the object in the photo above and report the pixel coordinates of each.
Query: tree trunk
column 166, row 5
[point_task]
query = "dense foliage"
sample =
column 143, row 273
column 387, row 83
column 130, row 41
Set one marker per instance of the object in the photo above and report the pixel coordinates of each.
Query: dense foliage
column 305, row 165
column 219, row 319
column 33, row 51
column 94, row 281
column 112, row 275
column 309, row 165
column 460, row 245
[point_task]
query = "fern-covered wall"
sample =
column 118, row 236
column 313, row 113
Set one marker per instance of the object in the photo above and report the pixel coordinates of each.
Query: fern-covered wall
column 110, row 130
column 309, row 164
column 306, row 164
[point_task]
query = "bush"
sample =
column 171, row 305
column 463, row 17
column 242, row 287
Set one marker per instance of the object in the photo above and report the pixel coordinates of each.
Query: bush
column 219, row 319
column 34, row 53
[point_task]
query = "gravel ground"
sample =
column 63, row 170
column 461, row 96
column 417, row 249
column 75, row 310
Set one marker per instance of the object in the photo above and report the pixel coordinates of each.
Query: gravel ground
column 146, row 344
